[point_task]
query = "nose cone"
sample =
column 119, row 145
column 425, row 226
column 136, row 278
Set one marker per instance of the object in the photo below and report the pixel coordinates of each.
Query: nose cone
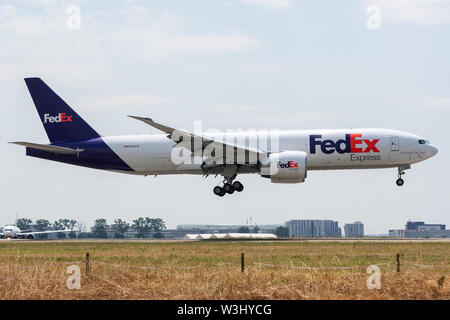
column 433, row 150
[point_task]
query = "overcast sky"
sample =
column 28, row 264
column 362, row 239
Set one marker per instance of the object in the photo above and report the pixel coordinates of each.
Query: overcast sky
column 232, row 64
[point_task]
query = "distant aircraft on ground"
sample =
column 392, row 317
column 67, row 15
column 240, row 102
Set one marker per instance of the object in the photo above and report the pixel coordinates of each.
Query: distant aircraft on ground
column 282, row 156
column 13, row 232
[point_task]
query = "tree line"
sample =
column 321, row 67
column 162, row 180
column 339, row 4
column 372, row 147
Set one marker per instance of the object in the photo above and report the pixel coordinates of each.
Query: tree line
column 143, row 226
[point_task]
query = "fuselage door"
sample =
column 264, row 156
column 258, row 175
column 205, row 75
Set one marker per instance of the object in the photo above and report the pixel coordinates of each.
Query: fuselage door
column 394, row 144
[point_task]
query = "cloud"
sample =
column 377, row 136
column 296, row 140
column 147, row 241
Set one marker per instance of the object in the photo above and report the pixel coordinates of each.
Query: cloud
column 266, row 116
column 238, row 109
column 295, row 120
column 128, row 101
column 37, row 42
column 140, row 36
column 270, row 4
column 153, row 43
column 437, row 102
column 424, row 101
column 422, row 12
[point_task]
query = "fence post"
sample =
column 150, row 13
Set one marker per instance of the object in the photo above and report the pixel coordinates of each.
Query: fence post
column 440, row 282
column 398, row 262
column 242, row 262
column 87, row 263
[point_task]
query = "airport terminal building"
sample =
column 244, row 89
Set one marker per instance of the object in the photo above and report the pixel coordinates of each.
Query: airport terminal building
column 354, row 230
column 313, row 228
column 219, row 228
column 419, row 229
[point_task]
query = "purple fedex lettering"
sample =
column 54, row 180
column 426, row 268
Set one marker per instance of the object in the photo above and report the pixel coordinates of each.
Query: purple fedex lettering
column 347, row 145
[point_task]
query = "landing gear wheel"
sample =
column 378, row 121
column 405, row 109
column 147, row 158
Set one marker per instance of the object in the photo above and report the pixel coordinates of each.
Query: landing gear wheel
column 400, row 182
column 238, row 186
column 228, row 188
column 218, row 191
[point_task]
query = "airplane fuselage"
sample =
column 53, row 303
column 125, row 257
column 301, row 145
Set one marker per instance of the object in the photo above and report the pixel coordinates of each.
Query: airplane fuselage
column 326, row 149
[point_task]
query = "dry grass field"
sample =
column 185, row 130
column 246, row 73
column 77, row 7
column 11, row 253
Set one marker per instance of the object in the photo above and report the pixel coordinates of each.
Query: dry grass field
column 212, row 270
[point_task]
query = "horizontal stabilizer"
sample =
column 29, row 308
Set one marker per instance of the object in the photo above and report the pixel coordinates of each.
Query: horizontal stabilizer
column 49, row 148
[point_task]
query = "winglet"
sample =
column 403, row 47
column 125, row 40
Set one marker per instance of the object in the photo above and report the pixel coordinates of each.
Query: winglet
column 154, row 124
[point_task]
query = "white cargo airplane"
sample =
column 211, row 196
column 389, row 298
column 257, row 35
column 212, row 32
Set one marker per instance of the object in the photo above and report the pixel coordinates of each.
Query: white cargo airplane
column 13, row 232
column 281, row 156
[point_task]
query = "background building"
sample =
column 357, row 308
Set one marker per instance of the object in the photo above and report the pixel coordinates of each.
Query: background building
column 355, row 229
column 313, row 228
column 398, row 233
column 419, row 229
column 184, row 229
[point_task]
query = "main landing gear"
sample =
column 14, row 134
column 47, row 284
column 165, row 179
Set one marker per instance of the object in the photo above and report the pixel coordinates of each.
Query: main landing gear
column 401, row 172
column 228, row 187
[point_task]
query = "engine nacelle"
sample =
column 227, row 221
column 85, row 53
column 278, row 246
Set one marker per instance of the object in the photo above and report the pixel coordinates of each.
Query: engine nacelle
column 285, row 167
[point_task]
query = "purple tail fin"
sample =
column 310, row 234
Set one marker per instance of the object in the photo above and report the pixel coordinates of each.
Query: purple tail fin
column 61, row 123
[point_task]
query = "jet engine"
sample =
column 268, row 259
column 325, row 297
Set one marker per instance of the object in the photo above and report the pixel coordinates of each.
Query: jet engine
column 285, row 167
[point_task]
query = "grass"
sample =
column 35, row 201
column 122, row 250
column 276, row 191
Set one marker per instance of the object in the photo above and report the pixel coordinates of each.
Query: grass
column 191, row 270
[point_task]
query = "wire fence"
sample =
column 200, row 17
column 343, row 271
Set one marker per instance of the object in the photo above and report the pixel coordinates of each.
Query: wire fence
column 89, row 263
column 426, row 265
column 319, row 267
column 159, row 268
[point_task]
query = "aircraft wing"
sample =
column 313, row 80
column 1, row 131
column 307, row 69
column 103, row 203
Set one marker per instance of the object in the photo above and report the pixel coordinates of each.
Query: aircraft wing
column 198, row 140
column 43, row 232
column 49, row 148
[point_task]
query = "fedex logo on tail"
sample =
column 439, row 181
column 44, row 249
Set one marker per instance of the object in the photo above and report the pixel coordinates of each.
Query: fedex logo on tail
column 61, row 117
column 351, row 144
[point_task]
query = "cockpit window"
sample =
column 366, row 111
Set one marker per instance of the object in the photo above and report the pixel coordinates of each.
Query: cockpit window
column 422, row 141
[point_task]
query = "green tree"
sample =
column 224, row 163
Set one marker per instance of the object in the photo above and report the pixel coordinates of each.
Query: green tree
column 120, row 227
column 59, row 225
column 71, row 224
column 256, row 229
column 42, row 224
column 23, row 223
column 282, row 232
column 141, row 226
column 64, row 224
column 144, row 226
column 99, row 230
column 156, row 224
column 244, row 230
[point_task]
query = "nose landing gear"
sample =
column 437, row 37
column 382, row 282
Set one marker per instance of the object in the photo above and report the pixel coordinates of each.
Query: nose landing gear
column 400, row 182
